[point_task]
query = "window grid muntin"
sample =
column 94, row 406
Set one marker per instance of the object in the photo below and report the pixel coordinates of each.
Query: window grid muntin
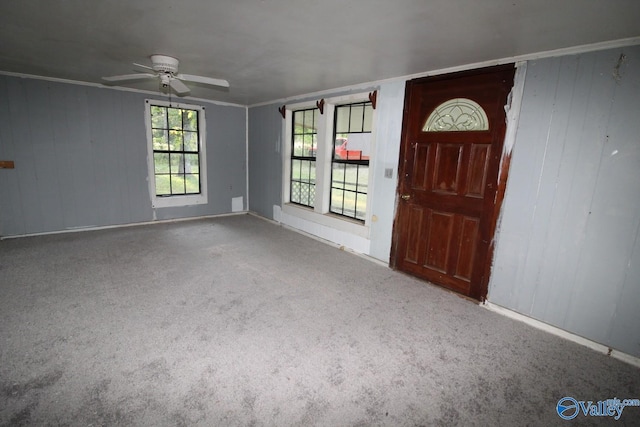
column 302, row 191
column 176, row 156
column 360, row 122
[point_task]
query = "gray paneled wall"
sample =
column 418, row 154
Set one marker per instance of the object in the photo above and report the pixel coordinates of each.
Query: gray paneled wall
column 80, row 157
column 568, row 248
column 265, row 159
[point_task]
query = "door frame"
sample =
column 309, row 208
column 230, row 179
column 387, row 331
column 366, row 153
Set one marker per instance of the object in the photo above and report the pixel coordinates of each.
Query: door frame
column 512, row 114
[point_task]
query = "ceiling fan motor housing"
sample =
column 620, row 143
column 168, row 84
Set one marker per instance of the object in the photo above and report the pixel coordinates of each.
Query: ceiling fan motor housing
column 164, row 64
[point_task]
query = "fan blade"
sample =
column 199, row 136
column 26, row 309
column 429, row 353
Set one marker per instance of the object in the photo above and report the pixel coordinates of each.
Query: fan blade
column 203, row 80
column 127, row 77
column 143, row 66
column 179, row 87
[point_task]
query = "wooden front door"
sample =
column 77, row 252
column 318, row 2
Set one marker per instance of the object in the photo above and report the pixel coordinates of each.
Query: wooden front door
column 452, row 139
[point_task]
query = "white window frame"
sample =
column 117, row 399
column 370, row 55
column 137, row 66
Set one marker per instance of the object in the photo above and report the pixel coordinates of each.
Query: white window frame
column 320, row 213
column 177, row 200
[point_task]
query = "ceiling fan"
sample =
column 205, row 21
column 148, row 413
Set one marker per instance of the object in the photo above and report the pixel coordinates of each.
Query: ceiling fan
column 165, row 69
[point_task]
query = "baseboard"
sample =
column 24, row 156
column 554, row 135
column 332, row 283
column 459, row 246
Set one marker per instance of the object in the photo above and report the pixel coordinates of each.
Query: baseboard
column 133, row 224
column 600, row 348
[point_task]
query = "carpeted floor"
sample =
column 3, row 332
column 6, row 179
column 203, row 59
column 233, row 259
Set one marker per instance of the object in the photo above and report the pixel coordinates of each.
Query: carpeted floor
column 236, row 321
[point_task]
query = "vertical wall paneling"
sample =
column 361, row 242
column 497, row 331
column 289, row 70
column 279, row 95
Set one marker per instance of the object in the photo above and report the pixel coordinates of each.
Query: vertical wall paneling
column 567, row 248
column 388, row 132
column 130, row 113
column 64, row 154
column 265, row 161
column 10, row 202
column 80, row 154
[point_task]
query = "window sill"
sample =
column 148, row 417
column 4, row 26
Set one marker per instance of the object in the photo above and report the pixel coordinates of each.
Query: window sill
column 175, row 201
column 330, row 220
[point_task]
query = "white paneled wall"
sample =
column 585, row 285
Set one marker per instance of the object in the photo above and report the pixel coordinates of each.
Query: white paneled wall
column 568, row 245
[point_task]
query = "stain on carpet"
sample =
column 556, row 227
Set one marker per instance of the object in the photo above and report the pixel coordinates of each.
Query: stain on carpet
column 18, row 390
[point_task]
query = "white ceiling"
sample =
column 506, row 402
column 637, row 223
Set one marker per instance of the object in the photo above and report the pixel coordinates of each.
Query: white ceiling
column 272, row 49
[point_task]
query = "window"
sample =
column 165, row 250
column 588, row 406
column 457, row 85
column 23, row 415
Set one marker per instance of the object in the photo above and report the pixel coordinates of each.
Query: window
column 350, row 159
column 177, row 173
column 326, row 162
column 303, row 157
column 458, row 114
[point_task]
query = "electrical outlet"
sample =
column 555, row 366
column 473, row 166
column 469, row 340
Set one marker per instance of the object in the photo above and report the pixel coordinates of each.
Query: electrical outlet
column 388, row 173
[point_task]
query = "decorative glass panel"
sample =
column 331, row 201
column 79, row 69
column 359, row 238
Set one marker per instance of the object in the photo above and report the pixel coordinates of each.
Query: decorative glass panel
column 458, row 114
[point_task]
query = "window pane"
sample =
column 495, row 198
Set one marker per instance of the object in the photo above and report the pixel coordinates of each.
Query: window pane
column 309, row 123
column 351, row 177
column 160, row 139
column 361, row 206
column 162, row 185
column 357, row 147
column 191, row 164
column 161, row 162
column 357, row 115
column 175, row 118
column 342, row 118
column 177, row 184
column 295, row 192
column 193, row 183
column 312, row 172
column 349, row 204
column 175, row 140
column 363, row 178
column 337, row 197
column 190, row 141
column 308, row 143
column 307, row 171
column 303, row 178
column 367, row 126
column 298, row 122
column 177, row 163
column 295, row 169
column 337, row 175
column 158, row 117
column 298, row 144
column 190, row 120
column 305, row 195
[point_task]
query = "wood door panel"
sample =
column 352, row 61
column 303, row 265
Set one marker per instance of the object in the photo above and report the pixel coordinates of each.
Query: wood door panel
column 449, row 179
column 420, row 177
column 467, row 246
column 478, row 170
column 447, row 168
column 461, row 205
column 438, row 243
column 416, row 219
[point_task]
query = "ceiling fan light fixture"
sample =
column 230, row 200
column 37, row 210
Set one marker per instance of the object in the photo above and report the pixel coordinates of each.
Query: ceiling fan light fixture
column 165, row 80
column 164, row 63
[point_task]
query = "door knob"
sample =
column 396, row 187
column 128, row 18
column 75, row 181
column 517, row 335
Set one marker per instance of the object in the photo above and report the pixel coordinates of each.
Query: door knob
column 406, row 196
